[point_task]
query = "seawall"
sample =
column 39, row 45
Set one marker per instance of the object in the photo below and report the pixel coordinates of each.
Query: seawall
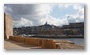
column 46, row 43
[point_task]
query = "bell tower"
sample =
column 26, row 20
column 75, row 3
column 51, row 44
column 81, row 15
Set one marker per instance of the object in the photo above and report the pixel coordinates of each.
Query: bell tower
column 46, row 23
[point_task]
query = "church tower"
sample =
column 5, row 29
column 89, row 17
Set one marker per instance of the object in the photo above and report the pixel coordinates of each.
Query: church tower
column 45, row 23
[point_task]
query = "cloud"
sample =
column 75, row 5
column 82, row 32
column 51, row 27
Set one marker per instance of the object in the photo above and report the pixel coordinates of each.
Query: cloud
column 22, row 13
column 54, row 21
column 64, row 5
column 23, row 22
column 78, row 16
column 38, row 14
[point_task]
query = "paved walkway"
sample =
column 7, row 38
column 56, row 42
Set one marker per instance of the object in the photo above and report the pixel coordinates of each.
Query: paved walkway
column 15, row 45
column 8, row 44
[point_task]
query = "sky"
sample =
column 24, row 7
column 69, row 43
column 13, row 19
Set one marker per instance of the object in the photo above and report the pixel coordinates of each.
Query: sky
column 38, row 14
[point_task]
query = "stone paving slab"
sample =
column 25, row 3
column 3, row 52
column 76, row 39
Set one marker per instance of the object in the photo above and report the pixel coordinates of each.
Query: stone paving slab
column 8, row 44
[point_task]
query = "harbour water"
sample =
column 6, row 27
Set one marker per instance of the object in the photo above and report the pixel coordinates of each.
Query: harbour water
column 79, row 41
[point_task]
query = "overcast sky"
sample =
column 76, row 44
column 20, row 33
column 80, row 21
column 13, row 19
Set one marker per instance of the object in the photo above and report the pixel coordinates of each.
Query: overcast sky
column 37, row 14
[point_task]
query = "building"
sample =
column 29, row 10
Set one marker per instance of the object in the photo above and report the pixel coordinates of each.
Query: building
column 74, row 28
column 8, row 26
column 52, row 30
column 74, row 25
column 34, row 29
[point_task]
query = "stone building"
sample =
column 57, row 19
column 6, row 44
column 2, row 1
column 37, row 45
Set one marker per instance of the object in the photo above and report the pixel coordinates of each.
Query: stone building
column 8, row 26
